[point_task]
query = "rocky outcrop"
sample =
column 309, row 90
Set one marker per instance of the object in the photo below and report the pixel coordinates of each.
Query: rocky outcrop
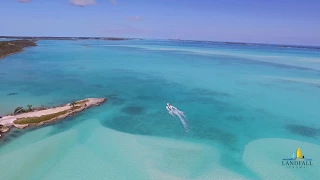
column 3, row 130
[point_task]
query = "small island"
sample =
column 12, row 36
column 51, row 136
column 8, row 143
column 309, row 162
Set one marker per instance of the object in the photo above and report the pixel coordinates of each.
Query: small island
column 22, row 118
column 11, row 47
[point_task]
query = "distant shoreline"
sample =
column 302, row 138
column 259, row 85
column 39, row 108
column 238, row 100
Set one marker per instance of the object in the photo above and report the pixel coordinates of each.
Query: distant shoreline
column 314, row 47
column 66, row 38
column 2, row 57
column 8, row 48
column 251, row 44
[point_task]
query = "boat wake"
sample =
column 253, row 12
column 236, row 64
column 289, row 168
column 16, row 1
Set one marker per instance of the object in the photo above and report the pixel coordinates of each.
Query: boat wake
column 176, row 113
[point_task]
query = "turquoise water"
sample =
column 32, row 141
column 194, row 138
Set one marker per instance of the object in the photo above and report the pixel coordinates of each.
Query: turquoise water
column 231, row 94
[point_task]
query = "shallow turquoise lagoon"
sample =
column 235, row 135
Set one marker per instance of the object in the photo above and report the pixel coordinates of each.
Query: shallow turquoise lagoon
column 247, row 108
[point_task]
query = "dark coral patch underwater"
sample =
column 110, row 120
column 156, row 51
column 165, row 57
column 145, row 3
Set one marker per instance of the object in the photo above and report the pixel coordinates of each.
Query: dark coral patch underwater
column 133, row 110
column 303, row 130
column 11, row 94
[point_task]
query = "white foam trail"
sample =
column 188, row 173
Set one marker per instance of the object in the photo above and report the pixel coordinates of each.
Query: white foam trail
column 181, row 116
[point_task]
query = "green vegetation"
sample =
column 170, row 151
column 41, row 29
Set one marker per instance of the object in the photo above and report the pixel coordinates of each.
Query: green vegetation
column 10, row 47
column 29, row 107
column 31, row 120
column 18, row 110
column 82, row 102
column 42, row 107
column 73, row 104
column 75, row 108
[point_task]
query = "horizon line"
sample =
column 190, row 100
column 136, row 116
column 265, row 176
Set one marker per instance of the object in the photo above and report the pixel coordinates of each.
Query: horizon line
column 175, row 39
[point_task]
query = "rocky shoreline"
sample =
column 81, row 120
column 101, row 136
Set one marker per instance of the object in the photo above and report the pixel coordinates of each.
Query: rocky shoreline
column 21, row 121
column 3, row 130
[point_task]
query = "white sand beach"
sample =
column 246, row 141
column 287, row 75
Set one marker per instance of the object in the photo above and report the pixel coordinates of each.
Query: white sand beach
column 9, row 120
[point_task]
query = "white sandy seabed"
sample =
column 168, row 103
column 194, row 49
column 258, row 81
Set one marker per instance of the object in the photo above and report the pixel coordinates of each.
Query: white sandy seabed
column 101, row 153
